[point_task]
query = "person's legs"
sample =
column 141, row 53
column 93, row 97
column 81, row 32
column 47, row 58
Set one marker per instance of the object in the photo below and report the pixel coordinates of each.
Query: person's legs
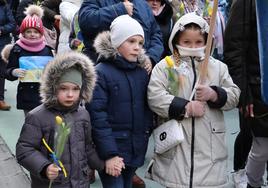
column 128, row 174
column 242, row 147
column 110, row 181
column 242, row 144
column 257, row 159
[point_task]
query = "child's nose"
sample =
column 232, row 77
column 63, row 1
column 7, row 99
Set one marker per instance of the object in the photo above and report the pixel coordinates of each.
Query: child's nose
column 70, row 93
column 193, row 46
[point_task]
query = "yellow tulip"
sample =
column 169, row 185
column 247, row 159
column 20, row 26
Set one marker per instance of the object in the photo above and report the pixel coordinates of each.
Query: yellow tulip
column 181, row 8
column 169, row 61
column 58, row 120
column 210, row 9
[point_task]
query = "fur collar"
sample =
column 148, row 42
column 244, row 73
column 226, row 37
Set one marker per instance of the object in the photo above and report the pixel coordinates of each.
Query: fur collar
column 104, row 48
column 6, row 52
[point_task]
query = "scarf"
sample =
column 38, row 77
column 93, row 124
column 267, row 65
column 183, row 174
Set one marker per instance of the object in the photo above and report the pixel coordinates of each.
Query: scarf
column 31, row 45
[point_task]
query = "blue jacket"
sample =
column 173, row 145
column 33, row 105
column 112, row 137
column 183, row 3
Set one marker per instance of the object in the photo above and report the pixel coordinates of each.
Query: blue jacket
column 7, row 25
column 96, row 16
column 121, row 119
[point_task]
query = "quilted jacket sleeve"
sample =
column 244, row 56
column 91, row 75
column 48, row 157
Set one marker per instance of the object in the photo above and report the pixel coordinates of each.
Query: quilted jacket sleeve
column 28, row 151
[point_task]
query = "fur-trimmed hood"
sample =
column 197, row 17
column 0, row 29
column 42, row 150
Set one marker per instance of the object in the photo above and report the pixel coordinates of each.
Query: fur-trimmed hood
column 6, row 52
column 54, row 70
column 104, row 48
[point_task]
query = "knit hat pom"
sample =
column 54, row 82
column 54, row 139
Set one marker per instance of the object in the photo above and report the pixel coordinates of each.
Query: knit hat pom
column 34, row 10
column 33, row 17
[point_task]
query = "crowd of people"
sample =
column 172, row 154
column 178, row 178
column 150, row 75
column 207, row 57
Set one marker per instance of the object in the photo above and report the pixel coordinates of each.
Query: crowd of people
column 101, row 67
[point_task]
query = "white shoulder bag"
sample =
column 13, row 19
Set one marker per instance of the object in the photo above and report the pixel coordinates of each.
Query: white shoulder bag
column 167, row 136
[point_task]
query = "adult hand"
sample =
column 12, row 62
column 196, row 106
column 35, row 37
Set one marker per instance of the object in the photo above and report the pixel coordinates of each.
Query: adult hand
column 20, row 73
column 129, row 7
column 52, row 171
column 205, row 93
column 148, row 65
column 249, row 110
column 195, row 109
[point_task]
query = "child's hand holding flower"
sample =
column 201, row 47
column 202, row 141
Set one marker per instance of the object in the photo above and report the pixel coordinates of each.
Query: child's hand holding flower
column 52, row 171
column 61, row 135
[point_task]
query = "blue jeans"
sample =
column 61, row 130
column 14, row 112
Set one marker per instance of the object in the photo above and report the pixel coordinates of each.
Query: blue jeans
column 122, row 181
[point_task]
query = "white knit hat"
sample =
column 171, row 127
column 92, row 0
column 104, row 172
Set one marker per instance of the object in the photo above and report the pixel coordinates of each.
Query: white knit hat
column 184, row 20
column 124, row 27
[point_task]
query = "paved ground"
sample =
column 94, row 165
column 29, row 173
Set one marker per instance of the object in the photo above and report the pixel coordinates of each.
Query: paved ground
column 10, row 126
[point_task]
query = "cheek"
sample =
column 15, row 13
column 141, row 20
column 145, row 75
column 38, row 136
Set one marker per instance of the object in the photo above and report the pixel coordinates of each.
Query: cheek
column 60, row 96
column 77, row 94
column 123, row 51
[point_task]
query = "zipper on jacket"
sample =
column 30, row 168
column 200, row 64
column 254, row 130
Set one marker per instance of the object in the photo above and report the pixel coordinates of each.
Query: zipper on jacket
column 193, row 132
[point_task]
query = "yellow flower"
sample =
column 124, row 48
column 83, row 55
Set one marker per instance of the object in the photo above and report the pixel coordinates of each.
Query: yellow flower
column 210, row 9
column 58, row 120
column 169, row 61
column 181, row 7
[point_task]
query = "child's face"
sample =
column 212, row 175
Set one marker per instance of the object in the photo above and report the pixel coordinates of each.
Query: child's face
column 131, row 48
column 68, row 94
column 32, row 34
column 191, row 38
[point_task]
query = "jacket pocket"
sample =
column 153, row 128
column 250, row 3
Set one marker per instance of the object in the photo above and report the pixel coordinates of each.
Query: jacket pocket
column 123, row 141
column 218, row 141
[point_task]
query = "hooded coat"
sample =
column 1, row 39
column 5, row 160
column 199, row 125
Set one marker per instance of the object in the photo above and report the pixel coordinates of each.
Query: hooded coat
column 79, row 154
column 120, row 116
column 203, row 150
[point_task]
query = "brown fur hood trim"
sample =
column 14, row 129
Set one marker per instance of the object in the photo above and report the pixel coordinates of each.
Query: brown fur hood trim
column 6, row 52
column 54, row 70
column 104, row 48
